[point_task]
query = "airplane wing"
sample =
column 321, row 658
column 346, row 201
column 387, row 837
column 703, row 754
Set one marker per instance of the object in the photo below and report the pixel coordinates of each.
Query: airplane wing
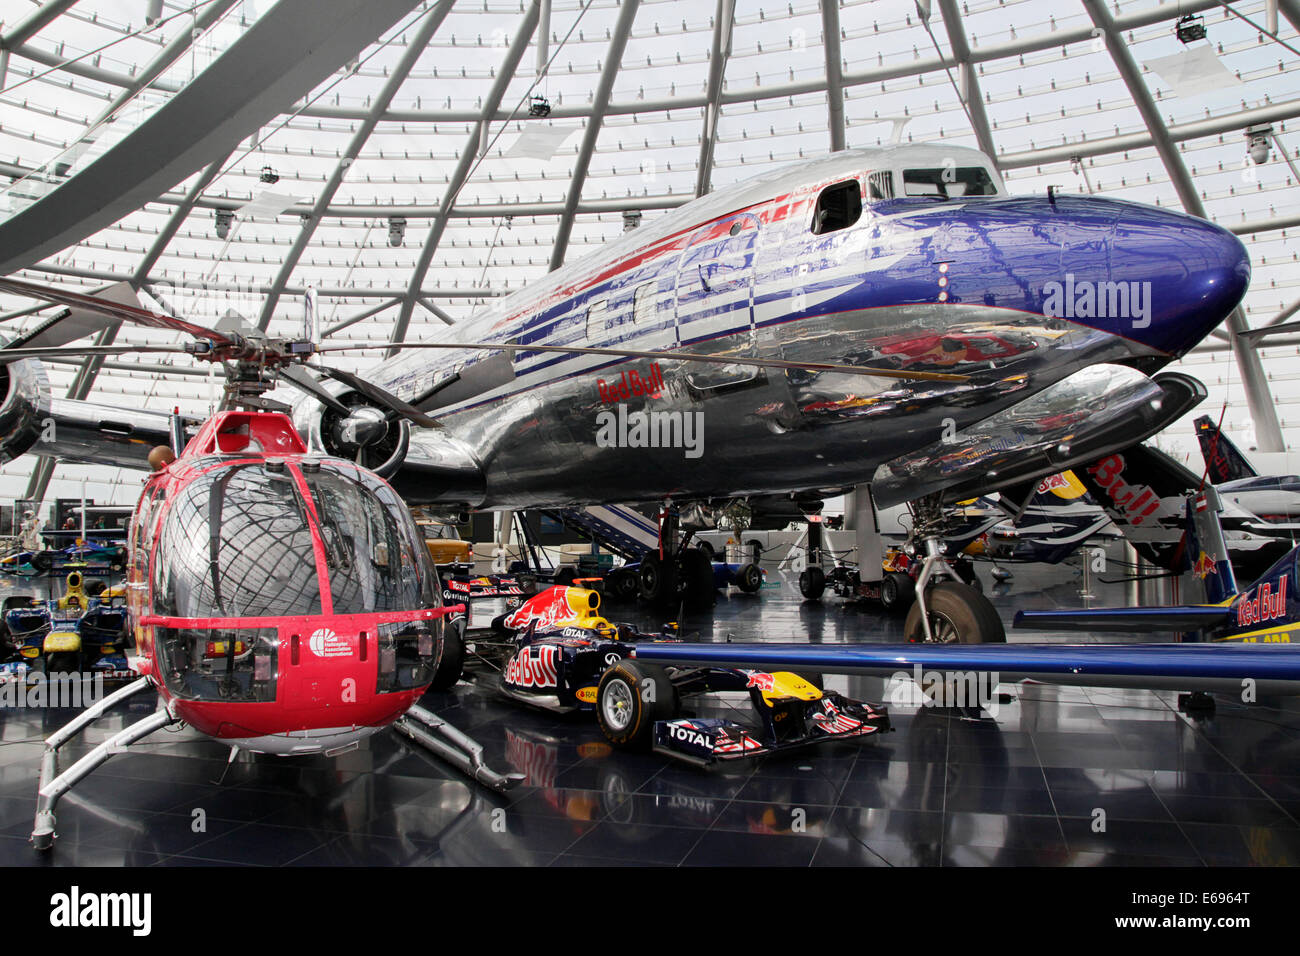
column 1190, row 617
column 1274, row 668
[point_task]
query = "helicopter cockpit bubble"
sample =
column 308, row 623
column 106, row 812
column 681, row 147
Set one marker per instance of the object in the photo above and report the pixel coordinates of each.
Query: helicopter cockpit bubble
column 267, row 540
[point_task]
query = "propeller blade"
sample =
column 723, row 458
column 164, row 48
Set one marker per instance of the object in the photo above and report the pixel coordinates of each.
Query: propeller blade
column 668, row 356
column 379, row 396
column 119, row 311
column 302, row 380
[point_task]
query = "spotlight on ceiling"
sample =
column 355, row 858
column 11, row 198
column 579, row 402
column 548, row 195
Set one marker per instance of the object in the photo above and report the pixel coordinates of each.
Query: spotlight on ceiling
column 631, row 219
column 1190, row 28
column 539, row 107
column 224, row 219
column 1257, row 138
column 396, row 231
column 269, row 176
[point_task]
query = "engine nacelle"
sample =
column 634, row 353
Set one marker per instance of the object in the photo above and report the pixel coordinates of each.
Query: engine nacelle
column 25, row 411
column 381, row 443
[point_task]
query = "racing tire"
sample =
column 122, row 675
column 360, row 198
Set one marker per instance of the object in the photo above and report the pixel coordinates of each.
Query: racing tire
column 897, row 591
column 630, row 698
column 41, row 561
column 452, row 662
column 655, row 579
column 499, row 624
column 696, row 577
column 117, row 562
column 623, row 585
column 812, row 582
column 749, row 578
column 96, row 588
column 708, row 549
column 958, row 615
column 566, row 576
column 65, row 662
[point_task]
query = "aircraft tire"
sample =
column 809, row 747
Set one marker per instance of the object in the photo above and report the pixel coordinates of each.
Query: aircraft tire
column 696, row 575
column 958, row 615
column 630, row 698
column 812, row 582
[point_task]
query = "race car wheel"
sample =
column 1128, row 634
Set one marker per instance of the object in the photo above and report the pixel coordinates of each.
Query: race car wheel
column 630, row 698
column 63, row 663
column 565, row 576
column 41, row 561
column 958, row 615
column 656, row 579
column 708, row 550
column 696, row 575
column 452, row 662
column 812, row 582
column 624, row 585
column 749, row 578
column 118, row 561
column 897, row 591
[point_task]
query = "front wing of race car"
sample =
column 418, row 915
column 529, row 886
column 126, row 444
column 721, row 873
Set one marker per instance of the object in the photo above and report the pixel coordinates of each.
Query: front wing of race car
column 792, row 725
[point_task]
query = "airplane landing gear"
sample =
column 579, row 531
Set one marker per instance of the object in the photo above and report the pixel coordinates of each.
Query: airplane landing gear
column 946, row 612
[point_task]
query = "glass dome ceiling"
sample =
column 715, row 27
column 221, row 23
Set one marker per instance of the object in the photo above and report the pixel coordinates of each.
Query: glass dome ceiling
column 421, row 141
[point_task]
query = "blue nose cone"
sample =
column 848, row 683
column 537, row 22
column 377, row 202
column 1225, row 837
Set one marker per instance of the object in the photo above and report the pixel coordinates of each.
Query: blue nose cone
column 1182, row 276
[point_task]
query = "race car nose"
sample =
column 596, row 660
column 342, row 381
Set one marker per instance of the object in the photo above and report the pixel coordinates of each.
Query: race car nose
column 1183, row 276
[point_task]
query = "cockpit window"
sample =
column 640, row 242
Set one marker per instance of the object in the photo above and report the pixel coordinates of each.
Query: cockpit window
column 236, row 543
column 949, row 182
column 374, row 558
column 838, row 207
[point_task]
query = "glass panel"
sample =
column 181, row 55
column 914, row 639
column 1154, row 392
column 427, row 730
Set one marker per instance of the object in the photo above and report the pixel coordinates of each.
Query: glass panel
column 235, row 543
column 949, row 182
column 225, row 664
column 376, row 558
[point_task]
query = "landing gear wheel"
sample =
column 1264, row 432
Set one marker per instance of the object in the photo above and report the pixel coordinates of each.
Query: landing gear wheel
column 656, row 579
column 696, row 577
column 897, row 591
column 812, row 582
column 630, row 698
column 958, row 615
column 452, row 662
column 749, row 578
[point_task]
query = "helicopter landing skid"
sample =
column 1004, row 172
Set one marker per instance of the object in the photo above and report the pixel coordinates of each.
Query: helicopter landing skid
column 54, row 784
column 458, row 749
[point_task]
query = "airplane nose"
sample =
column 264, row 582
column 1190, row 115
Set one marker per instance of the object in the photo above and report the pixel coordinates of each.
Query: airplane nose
column 1182, row 275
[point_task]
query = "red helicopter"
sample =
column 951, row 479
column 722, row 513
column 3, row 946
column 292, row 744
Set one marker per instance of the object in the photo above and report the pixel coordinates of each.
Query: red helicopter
column 282, row 601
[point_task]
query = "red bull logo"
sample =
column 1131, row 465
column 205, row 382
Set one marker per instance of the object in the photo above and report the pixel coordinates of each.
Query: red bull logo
column 1205, row 566
column 1265, row 604
column 632, row 384
column 547, row 609
column 764, row 682
column 1136, row 502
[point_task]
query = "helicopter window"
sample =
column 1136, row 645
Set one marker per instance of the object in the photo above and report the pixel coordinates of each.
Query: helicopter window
column 949, row 182
column 838, row 207
column 376, row 559
column 880, row 186
column 219, row 664
column 236, row 543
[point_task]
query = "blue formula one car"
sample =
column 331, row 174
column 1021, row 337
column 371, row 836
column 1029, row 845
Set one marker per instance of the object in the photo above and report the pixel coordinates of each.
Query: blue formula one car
column 563, row 657
column 88, row 556
column 74, row 633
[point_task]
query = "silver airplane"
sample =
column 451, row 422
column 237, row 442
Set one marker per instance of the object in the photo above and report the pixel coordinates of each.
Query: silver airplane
column 884, row 319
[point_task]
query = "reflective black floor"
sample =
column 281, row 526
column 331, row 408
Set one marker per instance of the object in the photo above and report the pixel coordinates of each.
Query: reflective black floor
column 1056, row 776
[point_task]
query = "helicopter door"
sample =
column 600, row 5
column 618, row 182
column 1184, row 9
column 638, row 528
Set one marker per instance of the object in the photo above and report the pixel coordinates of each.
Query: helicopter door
column 715, row 300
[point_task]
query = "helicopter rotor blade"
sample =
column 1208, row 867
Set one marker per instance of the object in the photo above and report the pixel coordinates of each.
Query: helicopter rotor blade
column 119, row 311
column 668, row 356
column 301, row 380
column 81, row 351
column 379, row 396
